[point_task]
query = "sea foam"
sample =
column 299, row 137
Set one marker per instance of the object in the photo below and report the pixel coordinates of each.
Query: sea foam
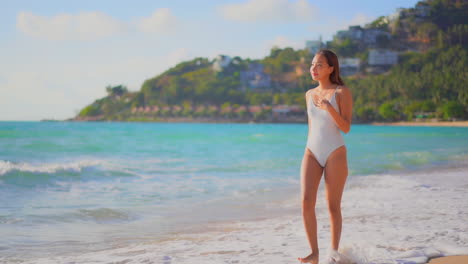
column 77, row 166
column 386, row 219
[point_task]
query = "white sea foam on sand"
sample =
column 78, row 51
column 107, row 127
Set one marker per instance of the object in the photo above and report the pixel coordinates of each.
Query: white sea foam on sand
column 387, row 219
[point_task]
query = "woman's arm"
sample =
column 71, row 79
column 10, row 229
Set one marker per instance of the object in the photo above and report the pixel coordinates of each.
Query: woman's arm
column 307, row 106
column 345, row 104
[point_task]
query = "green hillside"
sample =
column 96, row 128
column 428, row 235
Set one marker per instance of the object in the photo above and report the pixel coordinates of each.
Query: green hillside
column 429, row 81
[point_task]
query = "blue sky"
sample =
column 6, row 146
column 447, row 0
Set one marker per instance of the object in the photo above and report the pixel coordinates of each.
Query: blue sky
column 58, row 56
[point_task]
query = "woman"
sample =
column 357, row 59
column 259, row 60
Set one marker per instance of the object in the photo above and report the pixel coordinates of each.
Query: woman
column 329, row 109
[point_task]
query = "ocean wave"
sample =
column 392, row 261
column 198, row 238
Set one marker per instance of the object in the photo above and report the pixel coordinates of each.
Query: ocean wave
column 8, row 166
column 103, row 215
column 58, row 174
column 115, row 165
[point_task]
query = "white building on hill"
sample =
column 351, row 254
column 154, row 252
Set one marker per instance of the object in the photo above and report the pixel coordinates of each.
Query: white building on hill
column 221, row 62
column 382, row 57
column 353, row 32
column 349, row 66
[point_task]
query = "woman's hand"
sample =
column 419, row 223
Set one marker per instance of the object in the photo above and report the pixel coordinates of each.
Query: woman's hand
column 321, row 102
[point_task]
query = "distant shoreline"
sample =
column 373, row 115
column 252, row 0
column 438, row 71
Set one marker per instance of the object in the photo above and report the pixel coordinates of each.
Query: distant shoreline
column 435, row 124
column 292, row 120
column 286, row 121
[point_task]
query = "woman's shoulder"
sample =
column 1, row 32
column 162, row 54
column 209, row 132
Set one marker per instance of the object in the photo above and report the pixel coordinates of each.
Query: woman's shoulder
column 309, row 92
column 343, row 94
column 343, row 89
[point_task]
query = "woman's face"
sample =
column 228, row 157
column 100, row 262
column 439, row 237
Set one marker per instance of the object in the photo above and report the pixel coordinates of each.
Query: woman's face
column 319, row 69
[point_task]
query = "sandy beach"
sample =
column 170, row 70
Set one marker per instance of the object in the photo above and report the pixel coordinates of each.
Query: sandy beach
column 441, row 123
column 407, row 218
column 450, row 260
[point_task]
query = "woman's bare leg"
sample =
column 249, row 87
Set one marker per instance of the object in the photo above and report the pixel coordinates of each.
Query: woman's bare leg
column 311, row 173
column 336, row 172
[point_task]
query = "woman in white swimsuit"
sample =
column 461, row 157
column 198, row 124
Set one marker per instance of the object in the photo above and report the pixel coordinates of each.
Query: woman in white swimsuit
column 329, row 110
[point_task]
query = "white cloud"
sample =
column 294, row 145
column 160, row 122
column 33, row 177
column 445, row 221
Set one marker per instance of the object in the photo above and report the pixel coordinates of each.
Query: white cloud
column 270, row 11
column 92, row 25
column 82, row 26
column 161, row 20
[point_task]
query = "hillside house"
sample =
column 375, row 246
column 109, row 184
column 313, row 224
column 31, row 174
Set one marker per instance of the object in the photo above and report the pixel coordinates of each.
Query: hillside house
column 371, row 34
column 378, row 57
column 364, row 36
column 255, row 109
column 353, row 32
column 422, row 9
column 349, row 66
column 221, row 62
column 279, row 111
column 255, row 77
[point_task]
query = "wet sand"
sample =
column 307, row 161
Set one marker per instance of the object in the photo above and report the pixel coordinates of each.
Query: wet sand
column 441, row 123
column 450, row 260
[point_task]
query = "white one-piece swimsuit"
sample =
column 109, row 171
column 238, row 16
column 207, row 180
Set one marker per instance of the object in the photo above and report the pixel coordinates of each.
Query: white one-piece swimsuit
column 324, row 135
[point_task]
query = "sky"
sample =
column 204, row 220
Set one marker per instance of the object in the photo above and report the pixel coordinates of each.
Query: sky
column 58, row 56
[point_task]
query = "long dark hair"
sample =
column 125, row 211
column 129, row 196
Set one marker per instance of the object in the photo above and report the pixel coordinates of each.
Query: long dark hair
column 332, row 60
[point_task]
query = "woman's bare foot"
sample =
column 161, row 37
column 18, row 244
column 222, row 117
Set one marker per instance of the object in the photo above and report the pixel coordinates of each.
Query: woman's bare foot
column 312, row 258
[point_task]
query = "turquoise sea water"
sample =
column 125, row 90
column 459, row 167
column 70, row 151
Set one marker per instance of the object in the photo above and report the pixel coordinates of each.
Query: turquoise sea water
column 83, row 183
